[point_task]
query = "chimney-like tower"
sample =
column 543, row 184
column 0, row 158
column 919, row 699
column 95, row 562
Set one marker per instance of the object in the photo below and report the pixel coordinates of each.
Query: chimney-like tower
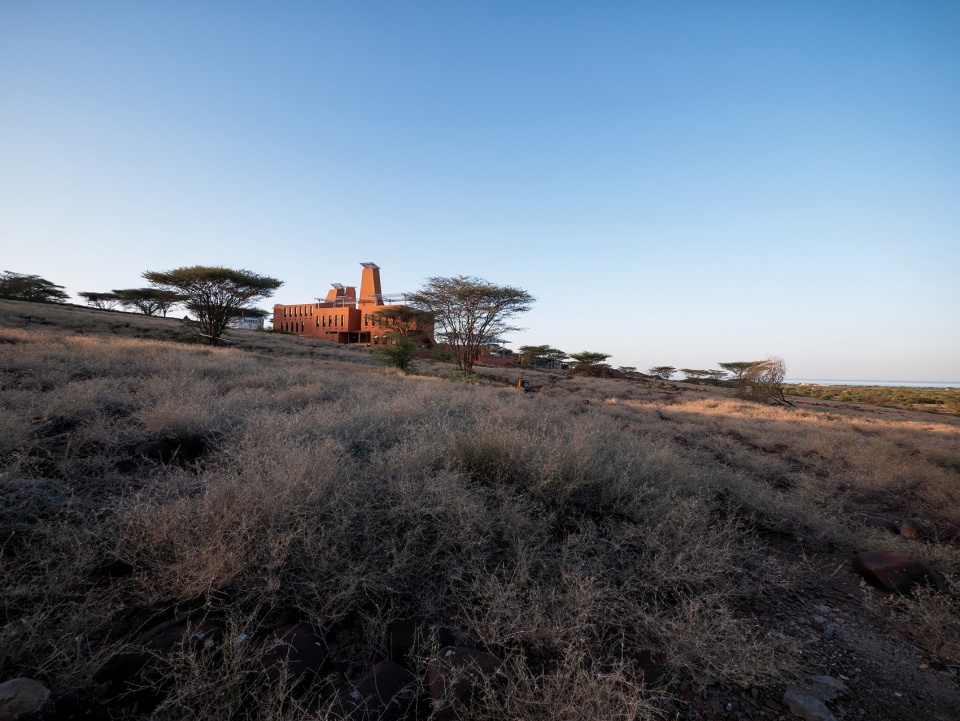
column 370, row 292
column 335, row 294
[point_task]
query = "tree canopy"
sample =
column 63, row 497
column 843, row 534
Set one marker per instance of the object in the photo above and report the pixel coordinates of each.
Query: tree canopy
column 763, row 382
column 530, row 354
column 738, row 368
column 662, row 372
column 590, row 363
column 149, row 301
column 20, row 286
column 404, row 321
column 214, row 294
column 470, row 312
column 103, row 301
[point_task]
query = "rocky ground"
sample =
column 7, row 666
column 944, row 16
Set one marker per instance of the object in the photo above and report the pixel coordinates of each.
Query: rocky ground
column 857, row 665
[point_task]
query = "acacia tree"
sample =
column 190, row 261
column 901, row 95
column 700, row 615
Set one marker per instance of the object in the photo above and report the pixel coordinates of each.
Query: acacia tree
column 471, row 312
column 662, row 372
column 694, row 374
column 214, row 295
column 763, row 382
column 402, row 321
column 590, row 363
column 149, row 301
column 530, row 354
column 20, row 286
column 738, row 368
column 716, row 375
column 103, row 301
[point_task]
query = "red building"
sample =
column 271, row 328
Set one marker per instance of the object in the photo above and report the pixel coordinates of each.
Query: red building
column 341, row 317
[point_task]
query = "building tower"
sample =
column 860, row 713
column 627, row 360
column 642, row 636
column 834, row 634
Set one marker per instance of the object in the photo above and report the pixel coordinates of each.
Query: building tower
column 370, row 291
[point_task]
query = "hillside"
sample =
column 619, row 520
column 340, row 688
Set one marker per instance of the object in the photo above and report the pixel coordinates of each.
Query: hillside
column 281, row 529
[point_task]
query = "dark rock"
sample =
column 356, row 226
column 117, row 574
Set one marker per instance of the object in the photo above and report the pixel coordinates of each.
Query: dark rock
column 130, row 679
column 827, row 688
column 189, row 449
column 453, row 677
column 294, row 650
column 137, row 678
column 895, row 572
column 386, row 693
column 807, row 706
column 416, row 637
column 160, row 452
column 24, row 698
column 407, row 637
column 652, row 665
column 886, row 524
column 944, row 530
column 110, row 570
column 176, row 633
column 72, row 709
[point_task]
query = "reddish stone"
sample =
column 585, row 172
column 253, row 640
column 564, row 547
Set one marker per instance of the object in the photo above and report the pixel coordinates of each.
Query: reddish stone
column 895, row 572
column 453, row 677
column 916, row 529
column 945, row 531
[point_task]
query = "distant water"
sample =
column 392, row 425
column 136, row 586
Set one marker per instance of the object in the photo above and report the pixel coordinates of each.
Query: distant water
column 907, row 384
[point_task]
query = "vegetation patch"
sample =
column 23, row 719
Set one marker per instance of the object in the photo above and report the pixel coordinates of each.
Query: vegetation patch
column 938, row 400
column 243, row 530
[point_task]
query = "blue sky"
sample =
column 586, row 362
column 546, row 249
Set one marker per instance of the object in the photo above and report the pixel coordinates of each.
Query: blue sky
column 677, row 183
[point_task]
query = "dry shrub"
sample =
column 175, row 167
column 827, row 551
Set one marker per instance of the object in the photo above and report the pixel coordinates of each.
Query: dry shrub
column 47, row 546
column 357, row 497
column 931, row 619
column 577, row 687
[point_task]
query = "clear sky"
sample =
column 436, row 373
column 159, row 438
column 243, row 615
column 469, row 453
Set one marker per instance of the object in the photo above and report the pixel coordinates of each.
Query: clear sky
column 677, row 183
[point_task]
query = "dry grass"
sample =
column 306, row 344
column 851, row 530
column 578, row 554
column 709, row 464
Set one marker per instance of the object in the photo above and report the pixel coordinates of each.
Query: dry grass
column 599, row 519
